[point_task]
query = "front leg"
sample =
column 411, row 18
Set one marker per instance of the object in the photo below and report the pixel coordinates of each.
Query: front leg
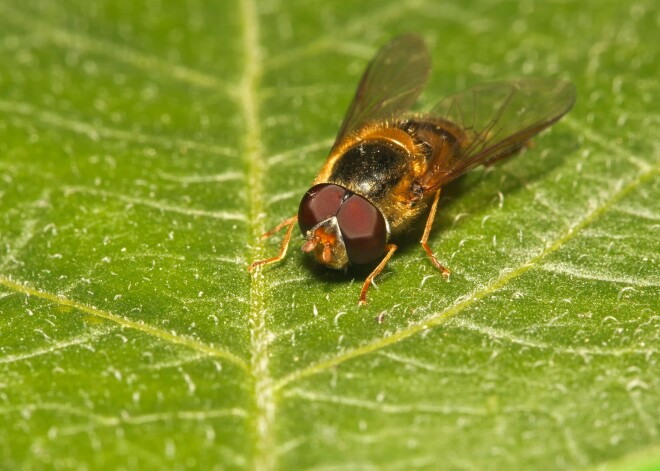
column 363, row 294
column 291, row 222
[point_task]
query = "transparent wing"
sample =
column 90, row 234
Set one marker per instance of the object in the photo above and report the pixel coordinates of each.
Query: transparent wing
column 498, row 119
column 392, row 82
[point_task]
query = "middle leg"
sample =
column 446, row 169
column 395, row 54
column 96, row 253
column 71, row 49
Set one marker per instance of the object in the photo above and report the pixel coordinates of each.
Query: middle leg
column 427, row 231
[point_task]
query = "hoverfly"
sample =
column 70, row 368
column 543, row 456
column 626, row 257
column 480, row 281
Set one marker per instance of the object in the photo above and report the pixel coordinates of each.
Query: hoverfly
column 388, row 164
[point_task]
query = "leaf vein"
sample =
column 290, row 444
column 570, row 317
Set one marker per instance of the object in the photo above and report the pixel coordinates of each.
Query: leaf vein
column 61, row 345
column 119, row 53
column 264, row 457
column 381, row 406
column 96, row 131
column 191, row 343
column 222, row 215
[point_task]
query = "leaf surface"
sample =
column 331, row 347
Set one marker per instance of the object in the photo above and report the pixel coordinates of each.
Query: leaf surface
column 145, row 146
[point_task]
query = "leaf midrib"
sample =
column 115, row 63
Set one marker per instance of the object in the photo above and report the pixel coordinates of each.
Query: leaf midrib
column 264, row 456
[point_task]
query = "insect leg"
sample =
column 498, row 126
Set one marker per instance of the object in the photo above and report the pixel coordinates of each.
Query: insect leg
column 427, row 231
column 291, row 222
column 286, row 222
column 363, row 294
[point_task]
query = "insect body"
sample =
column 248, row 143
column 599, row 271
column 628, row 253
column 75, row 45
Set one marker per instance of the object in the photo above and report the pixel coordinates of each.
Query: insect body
column 388, row 165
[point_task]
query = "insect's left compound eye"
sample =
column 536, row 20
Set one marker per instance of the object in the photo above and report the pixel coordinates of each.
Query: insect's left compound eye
column 319, row 203
column 363, row 229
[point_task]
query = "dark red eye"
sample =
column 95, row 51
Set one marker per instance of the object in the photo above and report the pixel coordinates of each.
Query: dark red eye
column 363, row 230
column 319, row 203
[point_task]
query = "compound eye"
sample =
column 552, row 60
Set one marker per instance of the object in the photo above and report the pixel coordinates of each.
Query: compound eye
column 363, row 229
column 319, row 203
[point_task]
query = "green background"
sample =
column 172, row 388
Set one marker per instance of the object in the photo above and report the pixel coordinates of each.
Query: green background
column 144, row 146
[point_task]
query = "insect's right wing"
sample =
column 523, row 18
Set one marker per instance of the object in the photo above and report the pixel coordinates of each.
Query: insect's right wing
column 498, row 119
column 389, row 87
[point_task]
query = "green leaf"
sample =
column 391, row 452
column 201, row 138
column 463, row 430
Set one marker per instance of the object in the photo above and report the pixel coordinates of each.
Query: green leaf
column 144, row 146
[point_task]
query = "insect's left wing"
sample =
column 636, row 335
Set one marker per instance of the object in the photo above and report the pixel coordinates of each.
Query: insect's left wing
column 392, row 82
column 498, row 119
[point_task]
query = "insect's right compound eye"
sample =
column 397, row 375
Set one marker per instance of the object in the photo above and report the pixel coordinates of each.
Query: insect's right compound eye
column 363, row 229
column 321, row 202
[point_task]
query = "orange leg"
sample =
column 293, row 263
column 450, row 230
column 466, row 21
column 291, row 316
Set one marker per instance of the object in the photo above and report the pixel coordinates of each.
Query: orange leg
column 427, row 231
column 363, row 294
column 291, row 222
